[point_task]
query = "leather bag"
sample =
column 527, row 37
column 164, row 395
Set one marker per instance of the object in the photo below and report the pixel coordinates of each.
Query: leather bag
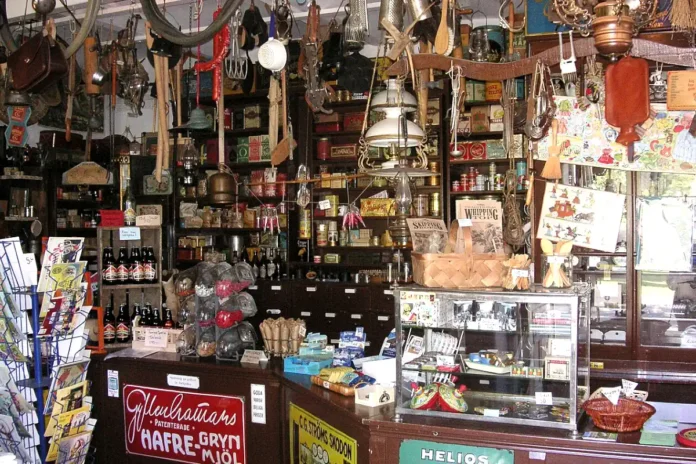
column 37, row 63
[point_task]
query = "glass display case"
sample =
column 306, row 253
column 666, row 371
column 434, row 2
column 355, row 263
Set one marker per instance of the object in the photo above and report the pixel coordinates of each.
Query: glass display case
column 512, row 357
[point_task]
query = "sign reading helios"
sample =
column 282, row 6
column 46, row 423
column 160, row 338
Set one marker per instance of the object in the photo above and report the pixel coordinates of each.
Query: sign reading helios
column 421, row 452
column 184, row 426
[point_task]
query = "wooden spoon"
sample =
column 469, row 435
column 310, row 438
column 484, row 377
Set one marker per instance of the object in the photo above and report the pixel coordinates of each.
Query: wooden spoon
column 288, row 144
column 442, row 36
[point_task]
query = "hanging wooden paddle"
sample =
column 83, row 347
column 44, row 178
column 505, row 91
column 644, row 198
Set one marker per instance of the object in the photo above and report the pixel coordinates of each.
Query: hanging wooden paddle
column 288, row 144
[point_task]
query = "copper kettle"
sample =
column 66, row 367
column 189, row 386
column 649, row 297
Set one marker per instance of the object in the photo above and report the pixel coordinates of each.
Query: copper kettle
column 222, row 187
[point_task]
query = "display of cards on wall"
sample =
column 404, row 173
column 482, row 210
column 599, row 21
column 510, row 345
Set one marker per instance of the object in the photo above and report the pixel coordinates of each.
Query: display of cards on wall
column 486, row 224
column 586, row 139
column 588, row 218
column 664, row 221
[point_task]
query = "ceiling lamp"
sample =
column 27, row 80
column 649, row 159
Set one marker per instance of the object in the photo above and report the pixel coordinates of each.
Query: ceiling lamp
column 614, row 22
column 394, row 129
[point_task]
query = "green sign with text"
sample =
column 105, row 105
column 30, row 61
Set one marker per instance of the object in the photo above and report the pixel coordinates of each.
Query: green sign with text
column 422, row 452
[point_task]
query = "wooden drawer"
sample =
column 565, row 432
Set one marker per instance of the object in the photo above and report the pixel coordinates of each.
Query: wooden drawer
column 380, row 326
column 308, row 299
column 357, row 319
column 382, row 300
column 349, row 298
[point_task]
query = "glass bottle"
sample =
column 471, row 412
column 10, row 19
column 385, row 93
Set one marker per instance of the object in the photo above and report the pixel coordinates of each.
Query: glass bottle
column 156, row 320
column 128, row 205
column 109, row 324
column 137, row 270
column 109, row 268
column 263, row 266
column 123, row 324
column 255, row 265
column 123, row 266
column 150, row 265
column 168, row 320
column 137, row 316
column 278, row 264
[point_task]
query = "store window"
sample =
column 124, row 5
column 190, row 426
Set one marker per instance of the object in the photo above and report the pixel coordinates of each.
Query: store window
column 665, row 259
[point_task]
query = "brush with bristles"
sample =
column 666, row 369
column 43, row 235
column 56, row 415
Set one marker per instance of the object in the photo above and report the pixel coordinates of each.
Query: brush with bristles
column 552, row 168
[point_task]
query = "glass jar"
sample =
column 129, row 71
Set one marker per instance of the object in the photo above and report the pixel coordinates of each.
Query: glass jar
column 557, row 271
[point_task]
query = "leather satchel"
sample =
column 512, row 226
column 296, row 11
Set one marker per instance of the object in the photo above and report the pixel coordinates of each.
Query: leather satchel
column 37, row 63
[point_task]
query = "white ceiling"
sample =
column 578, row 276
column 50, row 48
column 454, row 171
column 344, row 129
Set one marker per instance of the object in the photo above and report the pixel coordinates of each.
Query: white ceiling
column 115, row 13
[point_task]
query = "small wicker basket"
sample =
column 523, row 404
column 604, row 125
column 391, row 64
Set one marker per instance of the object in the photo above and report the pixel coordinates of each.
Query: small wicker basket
column 626, row 416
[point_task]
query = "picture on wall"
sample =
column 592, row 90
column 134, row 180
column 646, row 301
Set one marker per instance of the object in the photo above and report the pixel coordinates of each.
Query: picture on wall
column 661, row 221
column 588, row 218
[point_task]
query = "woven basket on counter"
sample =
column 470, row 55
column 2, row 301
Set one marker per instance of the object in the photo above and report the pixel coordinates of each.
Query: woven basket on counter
column 459, row 266
column 626, row 416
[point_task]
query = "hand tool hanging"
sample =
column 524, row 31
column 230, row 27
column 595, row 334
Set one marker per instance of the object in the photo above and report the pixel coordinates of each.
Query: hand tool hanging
column 160, row 81
column 317, row 91
column 71, row 87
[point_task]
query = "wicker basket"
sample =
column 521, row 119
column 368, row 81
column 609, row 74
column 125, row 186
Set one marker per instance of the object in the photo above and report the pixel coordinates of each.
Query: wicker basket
column 459, row 266
column 626, row 416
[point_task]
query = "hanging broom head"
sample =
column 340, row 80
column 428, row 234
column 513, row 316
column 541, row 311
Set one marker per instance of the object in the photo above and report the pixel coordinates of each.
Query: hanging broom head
column 552, row 168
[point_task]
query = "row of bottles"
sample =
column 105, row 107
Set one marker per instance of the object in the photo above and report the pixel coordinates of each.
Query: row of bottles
column 118, row 329
column 269, row 266
column 139, row 268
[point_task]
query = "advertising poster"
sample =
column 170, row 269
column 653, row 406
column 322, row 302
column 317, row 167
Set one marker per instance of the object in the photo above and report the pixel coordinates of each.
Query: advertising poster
column 313, row 441
column 184, row 426
column 423, row 452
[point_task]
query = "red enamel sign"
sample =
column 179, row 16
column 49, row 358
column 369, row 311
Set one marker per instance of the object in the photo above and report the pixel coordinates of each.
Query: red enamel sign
column 184, row 426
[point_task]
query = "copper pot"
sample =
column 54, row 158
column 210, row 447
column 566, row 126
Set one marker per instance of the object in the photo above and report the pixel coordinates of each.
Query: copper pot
column 613, row 30
column 222, row 187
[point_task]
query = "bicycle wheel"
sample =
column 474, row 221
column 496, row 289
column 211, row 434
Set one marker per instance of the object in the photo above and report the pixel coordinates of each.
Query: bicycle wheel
column 163, row 27
column 87, row 23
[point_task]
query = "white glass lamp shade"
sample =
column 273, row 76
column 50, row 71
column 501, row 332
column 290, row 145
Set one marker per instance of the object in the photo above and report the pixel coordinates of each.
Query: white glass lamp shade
column 388, row 132
column 392, row 97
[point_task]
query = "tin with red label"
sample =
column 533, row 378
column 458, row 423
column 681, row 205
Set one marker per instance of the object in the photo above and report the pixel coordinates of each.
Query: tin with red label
column 456, row 186
column 228, row 118
column 281, row 186
column 478, row 150
column 323, row 148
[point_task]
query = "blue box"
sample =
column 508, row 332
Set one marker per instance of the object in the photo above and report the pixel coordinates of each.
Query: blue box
column 309, row 365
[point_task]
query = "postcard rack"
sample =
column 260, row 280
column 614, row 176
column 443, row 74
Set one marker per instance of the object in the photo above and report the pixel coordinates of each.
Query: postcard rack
column 26, row 344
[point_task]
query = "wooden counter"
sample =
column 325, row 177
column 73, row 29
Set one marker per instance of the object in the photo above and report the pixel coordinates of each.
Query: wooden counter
column 378, row 439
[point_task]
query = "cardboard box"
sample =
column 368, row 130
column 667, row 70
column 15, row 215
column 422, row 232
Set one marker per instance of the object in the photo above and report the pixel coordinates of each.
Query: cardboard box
column 359, row 237
column 327, row 127
column 252, row 117
column 347, row 150
column 322, row 118
column 495, row 117
column 353, row 121
column 479, row 119
column 255, row 149
column 242, row 149
column 433, row 112
column 372, row 207
column 265, row 148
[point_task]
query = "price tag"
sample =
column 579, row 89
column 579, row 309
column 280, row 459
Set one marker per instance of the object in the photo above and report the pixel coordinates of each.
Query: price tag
column 29, row 269
column 258, row 403
column 326, row 385
column 628, row 386
column 303, row 331
column 519, row 273
column 331, row 348
column 544, row 398
column 491, row 412
column 612, row 394
column 464, row 222
column 311, row 289
column 112, row 383
column 156, row 338
column 324, row 204
column 129, row 233
column 254, row 356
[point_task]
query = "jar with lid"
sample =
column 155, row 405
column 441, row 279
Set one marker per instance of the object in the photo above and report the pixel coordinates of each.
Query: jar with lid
column 323, row 148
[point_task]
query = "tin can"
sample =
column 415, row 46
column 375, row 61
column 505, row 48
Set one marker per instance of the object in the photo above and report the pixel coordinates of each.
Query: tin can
column 456, row 186
column 342, row 237
column 435, row 206
column 433, row 181
column 333, row 209
column 499, row 183
column 480, row 182
column 420, row 204
column 281, row 186
column 494, row 91
column 434, row 166
column 317, row 259
column 375, row 240
column 323, row 148
column 322, row 235
column 305, row 227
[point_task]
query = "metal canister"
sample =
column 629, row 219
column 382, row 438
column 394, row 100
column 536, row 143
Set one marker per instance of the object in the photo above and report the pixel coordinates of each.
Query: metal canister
column 323, row 148
column 420, row 205
column 434, row 167
column 322, row 235
column 456, row 186
column 333, row 209
column 499, row 182
column 494, row 91
column 435, row 205
column 305, row 228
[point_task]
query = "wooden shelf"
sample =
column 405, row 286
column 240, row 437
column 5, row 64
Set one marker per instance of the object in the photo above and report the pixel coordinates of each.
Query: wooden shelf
column 130, row 286
column 206, row 202
column 62, row 203
column 354, row 161
column 481, row 161
column 22, row 177
column 317, row 135
column 360, row 248
column 483, row 192
column 76, row 230
column 213, row 231
column 20, row 219
column 337, row 266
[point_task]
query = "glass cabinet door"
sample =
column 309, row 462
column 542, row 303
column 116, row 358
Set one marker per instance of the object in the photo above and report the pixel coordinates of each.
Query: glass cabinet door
column 664, row 259
column 604, row 272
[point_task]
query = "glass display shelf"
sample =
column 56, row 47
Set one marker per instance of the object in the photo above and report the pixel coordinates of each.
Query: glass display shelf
column 538, row 360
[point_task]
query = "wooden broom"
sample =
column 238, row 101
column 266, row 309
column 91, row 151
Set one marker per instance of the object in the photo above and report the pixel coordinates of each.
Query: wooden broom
column 552, row 168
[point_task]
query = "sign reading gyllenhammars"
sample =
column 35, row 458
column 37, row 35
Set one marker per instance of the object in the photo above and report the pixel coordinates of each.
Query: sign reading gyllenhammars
column 184, row 426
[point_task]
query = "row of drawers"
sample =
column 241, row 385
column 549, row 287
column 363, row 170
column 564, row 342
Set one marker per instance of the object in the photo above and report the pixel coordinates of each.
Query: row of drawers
column 328, row 308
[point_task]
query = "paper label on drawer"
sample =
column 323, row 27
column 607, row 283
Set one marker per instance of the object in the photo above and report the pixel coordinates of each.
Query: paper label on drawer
column 491, row 412
column 311, row 289
column 305, row 314
column 276, row 287
column 324, row 204
column 330, row 314
column 356, row 316
column 389, row 292
column 349, row 290
column 537, row 456
column 273, row 311
column 544, row 398
column 253, row 287
column 383, row 318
